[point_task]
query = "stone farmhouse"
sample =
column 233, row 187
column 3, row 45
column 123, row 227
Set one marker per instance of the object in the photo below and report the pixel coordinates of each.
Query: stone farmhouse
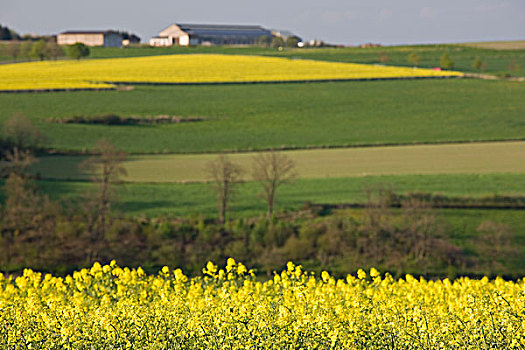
column 209, row 34
column 90, row 38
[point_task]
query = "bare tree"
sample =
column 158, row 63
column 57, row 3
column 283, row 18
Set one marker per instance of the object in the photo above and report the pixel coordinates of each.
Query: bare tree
column 225, row 176
column 514, row 66
column 16, row 162
column 21, row 219
column 271, row 170
column 422, row 237
column 383, row 57
column 54, row 49
column 414, row 59
column 377, row 222
column 106, row 170
column 20, row 132
column 495, row 243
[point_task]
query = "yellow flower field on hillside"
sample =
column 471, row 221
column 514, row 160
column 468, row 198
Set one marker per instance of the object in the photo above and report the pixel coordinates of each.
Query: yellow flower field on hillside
column 199, row 68
column 108, row 307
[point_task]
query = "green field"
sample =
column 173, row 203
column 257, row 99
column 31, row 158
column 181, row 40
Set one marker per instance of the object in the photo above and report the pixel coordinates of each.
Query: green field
column 247, row 117
column 480, row 158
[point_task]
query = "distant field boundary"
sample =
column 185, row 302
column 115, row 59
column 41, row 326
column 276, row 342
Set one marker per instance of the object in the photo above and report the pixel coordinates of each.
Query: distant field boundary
column 491, row 77
column 325, row 207
column 279, row 81
column 55, row 90
column 55, row 152
column 211, row 83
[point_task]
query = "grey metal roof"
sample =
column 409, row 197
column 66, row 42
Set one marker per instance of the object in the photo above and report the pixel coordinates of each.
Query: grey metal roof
column 84, row 32
column 224, row 30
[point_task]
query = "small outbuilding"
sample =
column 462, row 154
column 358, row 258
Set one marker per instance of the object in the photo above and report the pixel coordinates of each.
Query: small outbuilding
column 91, row 38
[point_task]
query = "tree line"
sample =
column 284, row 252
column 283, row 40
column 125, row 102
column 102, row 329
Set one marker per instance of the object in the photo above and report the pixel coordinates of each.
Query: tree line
column 278, row 41
column 43, row 49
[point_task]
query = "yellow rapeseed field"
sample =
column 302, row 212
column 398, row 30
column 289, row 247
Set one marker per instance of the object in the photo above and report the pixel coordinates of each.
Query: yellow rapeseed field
column 199, row 68
column 108, row 307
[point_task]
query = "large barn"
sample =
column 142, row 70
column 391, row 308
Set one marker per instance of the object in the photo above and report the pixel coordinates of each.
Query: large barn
column 209, row 34
column 90, row 38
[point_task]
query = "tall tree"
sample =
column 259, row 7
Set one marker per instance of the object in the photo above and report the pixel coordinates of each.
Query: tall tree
column 225, row 176
column 271, row 170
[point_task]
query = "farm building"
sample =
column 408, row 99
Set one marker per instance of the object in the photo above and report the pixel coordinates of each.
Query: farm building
column 209, row 34
column 90, row 38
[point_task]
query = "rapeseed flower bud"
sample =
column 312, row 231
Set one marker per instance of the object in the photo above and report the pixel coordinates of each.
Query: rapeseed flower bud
column 325, row 276
column 374, row 273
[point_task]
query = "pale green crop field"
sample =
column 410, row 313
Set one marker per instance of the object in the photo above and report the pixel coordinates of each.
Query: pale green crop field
column 465, row 158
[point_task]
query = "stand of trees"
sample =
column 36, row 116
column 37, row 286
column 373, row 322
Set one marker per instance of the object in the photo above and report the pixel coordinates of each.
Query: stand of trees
column 270, row 170
column 42, row 49
column 29, row 47
column 133, row 38
column 8, row 34
column 277, row 41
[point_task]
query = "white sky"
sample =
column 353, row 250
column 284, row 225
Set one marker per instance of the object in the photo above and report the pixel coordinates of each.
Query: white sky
column 334, row 21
